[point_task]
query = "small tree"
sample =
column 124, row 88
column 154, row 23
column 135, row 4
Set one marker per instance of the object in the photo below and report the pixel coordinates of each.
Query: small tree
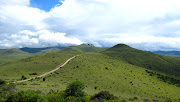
column 75, row 89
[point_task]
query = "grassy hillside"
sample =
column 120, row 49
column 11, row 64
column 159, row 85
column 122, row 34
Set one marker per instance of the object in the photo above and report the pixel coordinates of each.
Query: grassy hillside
column 112, row 71
column 160, row 63
column 49, row 50
column 36, row 64
column 100, row 72
column 8, row 55
column 83, row 48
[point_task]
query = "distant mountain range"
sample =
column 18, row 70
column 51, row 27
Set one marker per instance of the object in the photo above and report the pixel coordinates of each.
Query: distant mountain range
column 169, row 53
column 39, row 50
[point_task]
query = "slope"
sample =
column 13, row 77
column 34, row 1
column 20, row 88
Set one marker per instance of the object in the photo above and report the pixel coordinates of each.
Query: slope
column 83, row 48
column 38, row 64
column 49, row 50
column 160, row 63
column 8, row 55
column 100, row 72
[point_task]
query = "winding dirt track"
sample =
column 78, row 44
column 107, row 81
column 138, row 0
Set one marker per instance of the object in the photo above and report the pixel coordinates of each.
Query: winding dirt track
column 47, row 73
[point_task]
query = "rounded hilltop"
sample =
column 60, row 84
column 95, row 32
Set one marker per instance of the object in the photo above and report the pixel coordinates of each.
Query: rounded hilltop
column 121, row 45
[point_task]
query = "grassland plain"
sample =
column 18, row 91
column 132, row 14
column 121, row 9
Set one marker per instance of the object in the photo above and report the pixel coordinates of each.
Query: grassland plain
column 100, row 72
column 9, row 55
column 36, row 64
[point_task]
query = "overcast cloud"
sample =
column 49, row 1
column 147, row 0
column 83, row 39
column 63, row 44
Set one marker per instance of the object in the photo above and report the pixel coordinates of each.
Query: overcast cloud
column 143, row 24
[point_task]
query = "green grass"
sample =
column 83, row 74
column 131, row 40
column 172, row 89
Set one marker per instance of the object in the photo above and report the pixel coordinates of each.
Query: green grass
column 100, row 72
column 49, row 50
column 9, row 55
column 160, row 63
column 120, row 70
column 83, row 48
column 36, row 64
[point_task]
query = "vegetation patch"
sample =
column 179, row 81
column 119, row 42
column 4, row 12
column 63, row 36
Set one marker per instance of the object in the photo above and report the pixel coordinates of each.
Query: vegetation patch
column 33, row 74
column 164, row 78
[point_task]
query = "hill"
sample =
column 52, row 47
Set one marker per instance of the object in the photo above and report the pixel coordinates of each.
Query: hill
column 8, row 55
column 100, row 72
column 84, row 48
column 49, row 50
column 160, row 63
column 39, row 64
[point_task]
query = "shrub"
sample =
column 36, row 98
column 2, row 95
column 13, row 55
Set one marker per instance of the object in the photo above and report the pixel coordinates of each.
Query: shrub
column 2, row 82
column 6, row 90
column 24, row 96
column 83, row 99
column 44, row 79
column 103, row 95
column 55, row 98
column 75, row 89
column 7, row 87
column 23, row 77
column 76, row 99
column 71, row 99
column 33, row 74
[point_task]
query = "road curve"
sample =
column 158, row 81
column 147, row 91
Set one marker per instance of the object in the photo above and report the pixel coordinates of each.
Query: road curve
column 47, row 73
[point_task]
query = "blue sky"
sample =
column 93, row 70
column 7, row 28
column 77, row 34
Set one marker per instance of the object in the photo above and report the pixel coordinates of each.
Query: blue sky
column 44, row 4
column 143, row 24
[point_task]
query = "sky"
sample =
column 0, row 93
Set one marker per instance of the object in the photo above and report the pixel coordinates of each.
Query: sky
column 143, row 24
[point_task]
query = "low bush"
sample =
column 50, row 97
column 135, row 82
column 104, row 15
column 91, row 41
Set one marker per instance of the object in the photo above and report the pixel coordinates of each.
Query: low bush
column 71, row 99
column 33, row 74
column 2, row 82
column 25, row 96
column 103, row 95
column 44, row 79
column 6, row 90
column 23, row 77
column 55, row 98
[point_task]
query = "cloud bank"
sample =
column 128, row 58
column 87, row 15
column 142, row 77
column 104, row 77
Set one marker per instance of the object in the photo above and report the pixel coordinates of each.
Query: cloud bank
column 143, row 24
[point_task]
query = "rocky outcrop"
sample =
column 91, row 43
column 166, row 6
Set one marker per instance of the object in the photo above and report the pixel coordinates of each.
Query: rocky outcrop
column 86, row 44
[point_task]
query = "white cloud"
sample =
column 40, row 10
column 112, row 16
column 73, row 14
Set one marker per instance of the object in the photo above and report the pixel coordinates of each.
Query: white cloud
column 57, row 38
column 18, row 15
column 101, row 22
column 42, row 38
column 15, row 2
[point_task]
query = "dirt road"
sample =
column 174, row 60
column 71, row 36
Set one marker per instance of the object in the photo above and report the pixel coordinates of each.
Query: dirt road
column 47, row 73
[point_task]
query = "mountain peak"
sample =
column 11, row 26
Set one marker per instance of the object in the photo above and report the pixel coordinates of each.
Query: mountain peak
column 121, row 45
